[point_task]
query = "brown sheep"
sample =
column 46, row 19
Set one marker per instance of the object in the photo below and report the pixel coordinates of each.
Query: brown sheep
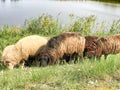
column 104, row 46
column 61, row 45
column 88, row 41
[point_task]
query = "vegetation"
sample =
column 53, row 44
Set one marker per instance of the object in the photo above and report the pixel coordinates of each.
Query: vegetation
column 86, row 75
column 109, row 1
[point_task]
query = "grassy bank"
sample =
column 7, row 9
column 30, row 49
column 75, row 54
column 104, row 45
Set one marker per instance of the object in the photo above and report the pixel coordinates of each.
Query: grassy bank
column 87, row 75
column 81, row 76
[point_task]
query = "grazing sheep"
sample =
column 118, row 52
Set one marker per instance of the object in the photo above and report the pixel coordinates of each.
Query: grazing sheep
column 22, row 50
column 6, row 55
column 88, row 41
column 59, row 46
column 104, row 46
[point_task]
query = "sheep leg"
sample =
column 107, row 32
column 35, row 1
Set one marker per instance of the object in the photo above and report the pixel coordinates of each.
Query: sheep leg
column 62, row 62
column 22, row 64
column 93, row 58
column 105, row 56
column 70, row 59
column 98, row 57
column 10, row 66
column 80, row 56
column 30, row 61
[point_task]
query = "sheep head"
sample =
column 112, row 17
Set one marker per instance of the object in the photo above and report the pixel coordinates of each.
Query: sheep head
column 91, row 50
column 45, row 60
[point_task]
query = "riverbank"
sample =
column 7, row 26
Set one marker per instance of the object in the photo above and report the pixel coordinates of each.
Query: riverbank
column 97, row 75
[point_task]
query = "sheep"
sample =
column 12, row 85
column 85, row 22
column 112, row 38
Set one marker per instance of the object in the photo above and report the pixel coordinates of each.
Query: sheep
column 105, row 46
column 22, row 50
column 6, row 54
column 88, row 41
column 65, row 44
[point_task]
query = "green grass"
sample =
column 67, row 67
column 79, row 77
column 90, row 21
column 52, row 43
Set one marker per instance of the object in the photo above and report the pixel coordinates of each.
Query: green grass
column 81, row 76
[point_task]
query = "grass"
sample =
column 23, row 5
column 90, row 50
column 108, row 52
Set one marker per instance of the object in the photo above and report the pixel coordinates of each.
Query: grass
column 87, row 75
column 80, row 76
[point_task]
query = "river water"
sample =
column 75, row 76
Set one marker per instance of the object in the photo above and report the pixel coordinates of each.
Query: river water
column 14, row 12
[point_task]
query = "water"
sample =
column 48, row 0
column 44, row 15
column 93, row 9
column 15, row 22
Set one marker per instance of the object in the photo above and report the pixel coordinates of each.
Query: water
column 14, row 12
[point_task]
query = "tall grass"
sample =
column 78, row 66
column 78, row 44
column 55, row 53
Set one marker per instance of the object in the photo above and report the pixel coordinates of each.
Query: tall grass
column 80, row 76
column 46, row 25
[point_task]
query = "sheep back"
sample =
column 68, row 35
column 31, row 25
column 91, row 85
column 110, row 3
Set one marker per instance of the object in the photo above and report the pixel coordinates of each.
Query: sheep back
column 29, row 45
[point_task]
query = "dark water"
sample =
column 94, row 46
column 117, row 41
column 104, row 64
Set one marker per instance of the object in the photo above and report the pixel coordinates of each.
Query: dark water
column 14, row 12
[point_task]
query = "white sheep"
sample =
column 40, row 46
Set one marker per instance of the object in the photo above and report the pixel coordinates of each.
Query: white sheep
column 20, row 52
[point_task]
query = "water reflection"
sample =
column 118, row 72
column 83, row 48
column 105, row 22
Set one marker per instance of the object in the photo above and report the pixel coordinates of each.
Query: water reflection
column 10, row 0
column 15, row 0
column 3, row 0
column 15, row 13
